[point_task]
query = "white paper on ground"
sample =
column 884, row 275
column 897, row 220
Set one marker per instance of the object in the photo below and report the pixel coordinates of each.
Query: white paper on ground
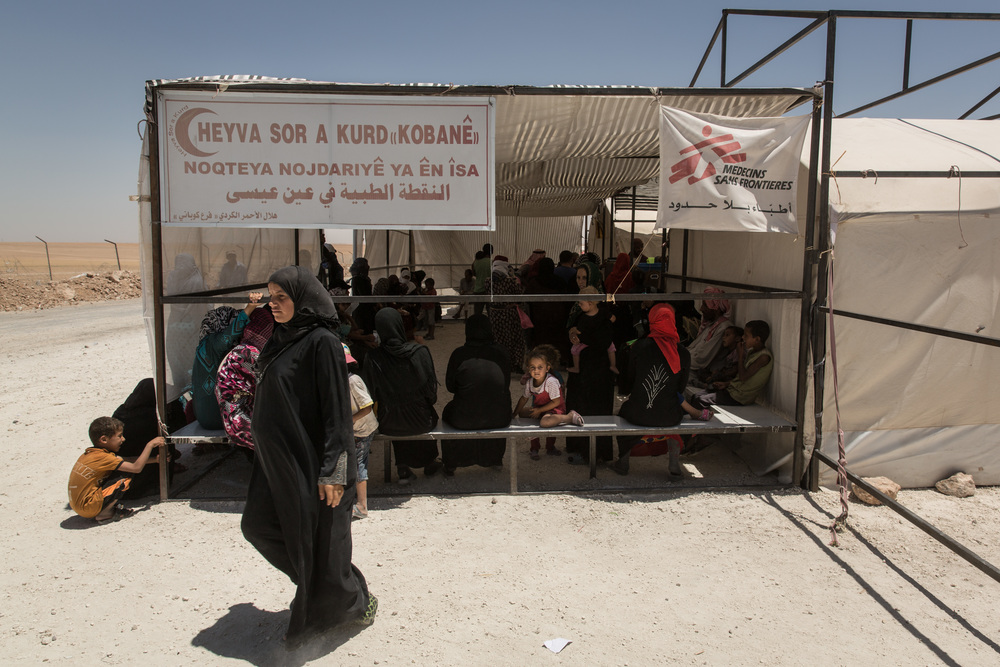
column 556, row 645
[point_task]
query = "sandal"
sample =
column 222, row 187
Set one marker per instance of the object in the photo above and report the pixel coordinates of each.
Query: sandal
column 576, row 417
column 120, row 512
column 552, row 451
column 534, row 455
column 369, row 615
column 358, row 514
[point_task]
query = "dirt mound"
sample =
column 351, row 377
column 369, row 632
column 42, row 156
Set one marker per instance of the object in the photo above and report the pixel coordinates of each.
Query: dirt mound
column 18, row 294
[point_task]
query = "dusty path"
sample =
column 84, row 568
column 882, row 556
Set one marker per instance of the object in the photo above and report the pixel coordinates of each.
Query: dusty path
column 689, row 577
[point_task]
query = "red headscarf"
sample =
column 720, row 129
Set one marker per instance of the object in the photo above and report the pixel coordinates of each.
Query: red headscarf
column 620, row 279
column 663, row 330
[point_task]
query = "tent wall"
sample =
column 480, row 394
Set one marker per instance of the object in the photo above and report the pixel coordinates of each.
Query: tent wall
column 916, row 407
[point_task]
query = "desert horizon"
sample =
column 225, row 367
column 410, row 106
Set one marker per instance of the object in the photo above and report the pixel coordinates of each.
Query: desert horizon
column 27, row 260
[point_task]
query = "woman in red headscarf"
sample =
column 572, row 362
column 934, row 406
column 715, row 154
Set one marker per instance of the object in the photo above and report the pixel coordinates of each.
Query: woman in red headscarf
column 657, row 372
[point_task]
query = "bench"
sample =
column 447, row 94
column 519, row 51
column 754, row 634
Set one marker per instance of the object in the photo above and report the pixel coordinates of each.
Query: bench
column 741, row 419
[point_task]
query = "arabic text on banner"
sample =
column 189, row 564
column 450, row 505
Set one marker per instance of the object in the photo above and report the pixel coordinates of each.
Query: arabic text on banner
column 327, row 161
column 729, row 174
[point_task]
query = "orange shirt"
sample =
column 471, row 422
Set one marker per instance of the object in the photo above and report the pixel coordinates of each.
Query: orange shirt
column 85, row 494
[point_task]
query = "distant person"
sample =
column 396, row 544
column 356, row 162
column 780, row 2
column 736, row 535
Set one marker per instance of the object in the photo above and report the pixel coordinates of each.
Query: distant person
column 220, row 332
column 465, row 286
column 365, row 425
column 100, row 477
column 714, row 321
column 636, row 255
column 753, row 370
column 236, row 380
column 401, row 380
column 566, row 271
column 657, row 372
column 547, row 397
column 428, row 309
column 504, row 318
column 478, row 375
column 233, row 273
column 481, row 269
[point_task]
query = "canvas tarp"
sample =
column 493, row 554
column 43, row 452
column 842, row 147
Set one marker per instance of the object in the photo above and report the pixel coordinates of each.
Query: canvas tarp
column 914, row 406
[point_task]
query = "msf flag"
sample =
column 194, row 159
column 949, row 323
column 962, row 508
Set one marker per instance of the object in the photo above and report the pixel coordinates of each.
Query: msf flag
column 729, row 174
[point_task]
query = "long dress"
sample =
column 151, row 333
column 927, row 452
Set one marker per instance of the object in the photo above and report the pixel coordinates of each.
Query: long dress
column 504, row 319
column 401, row 380
column 592, row 391
column 477, row 376
column 302, row 430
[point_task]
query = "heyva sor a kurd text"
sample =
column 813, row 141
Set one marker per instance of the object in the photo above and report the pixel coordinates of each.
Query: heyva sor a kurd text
column 341, row 133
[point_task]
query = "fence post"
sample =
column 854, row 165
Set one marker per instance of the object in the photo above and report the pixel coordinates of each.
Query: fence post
column 47, row 260
column 117, row 258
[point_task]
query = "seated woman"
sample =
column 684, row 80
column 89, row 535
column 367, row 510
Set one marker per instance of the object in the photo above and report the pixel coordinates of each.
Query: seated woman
column 657, row 372
column 477, row 376
column 220, row 332
column 237, row 382
column 401, row 380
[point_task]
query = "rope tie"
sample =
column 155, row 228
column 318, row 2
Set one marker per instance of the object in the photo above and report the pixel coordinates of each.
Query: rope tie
column 955, row 171
column 841, row 521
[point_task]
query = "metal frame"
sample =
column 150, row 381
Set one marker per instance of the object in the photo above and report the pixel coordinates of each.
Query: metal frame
column 231, row 296
column 819, row 255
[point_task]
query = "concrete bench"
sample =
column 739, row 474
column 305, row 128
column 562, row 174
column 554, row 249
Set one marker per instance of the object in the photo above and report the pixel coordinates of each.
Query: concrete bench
column 742, row 419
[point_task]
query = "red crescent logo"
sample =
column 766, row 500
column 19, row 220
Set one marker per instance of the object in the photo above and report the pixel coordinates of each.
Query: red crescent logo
column 182, row 135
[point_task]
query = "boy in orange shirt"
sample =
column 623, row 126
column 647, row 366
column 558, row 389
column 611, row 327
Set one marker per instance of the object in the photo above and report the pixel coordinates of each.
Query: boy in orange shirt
column 95, row 484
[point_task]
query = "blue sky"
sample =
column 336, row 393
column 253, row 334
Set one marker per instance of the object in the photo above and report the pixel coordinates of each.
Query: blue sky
column 74, row 72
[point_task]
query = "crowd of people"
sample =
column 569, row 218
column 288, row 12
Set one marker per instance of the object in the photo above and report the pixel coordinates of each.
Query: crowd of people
column 302, row 385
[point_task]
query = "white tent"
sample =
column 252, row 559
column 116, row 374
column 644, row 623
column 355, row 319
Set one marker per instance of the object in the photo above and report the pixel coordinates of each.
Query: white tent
column 915, row 248
column 917, row 407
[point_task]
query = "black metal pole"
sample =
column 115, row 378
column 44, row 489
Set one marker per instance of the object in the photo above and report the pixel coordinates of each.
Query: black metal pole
column 960, row 549
column 906, row 54
column 631, row 237
column 809, row 260
column 823, row 246
column 723, row 49
column 117, row 258
column 684, row 261
column 47, row 260
column 159, row 324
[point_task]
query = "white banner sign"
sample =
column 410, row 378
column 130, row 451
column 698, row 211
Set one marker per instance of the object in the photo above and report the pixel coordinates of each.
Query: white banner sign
column 327, row 161
column 729, row 174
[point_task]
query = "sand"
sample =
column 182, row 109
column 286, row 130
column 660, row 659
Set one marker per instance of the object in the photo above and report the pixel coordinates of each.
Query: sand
column 687, row 576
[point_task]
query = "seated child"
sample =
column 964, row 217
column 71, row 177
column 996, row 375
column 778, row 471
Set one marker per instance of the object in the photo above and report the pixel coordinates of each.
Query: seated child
column 547, row 398
column 753, row 370
column 723, row 367
column 590, row 309
column 96, row 483
column 365, row 425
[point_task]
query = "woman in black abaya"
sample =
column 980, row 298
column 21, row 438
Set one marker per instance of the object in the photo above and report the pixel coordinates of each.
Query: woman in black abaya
column 478, row 377
column 401, row 380
column 302, row 487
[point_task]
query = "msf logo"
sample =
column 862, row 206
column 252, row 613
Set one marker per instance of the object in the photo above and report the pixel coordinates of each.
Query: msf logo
column 724, row 146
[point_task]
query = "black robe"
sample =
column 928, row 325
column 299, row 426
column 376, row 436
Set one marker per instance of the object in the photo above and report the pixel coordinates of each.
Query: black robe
column 401, row 380
column 592, row 390
column 302, row 423
column 652, row 389
column 477, row 376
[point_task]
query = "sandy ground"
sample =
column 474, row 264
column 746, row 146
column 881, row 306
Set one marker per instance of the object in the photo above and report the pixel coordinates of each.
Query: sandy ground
column 685, row 576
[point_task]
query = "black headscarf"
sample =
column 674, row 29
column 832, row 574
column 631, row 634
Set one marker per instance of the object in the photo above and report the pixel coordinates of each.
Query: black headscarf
column 313, row 308
column 392, row 334
column 478, row 330
column 392, row 339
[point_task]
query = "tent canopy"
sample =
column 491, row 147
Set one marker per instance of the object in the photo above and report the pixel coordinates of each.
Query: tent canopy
column 559, row 149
